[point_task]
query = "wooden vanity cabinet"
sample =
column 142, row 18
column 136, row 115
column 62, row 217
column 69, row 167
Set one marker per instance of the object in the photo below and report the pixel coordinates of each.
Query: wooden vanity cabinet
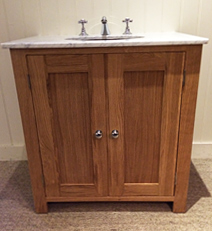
column 146, row 94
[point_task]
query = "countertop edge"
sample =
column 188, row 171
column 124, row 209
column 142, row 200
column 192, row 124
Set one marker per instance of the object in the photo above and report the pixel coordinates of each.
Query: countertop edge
column 24, row 46
column 157, row 39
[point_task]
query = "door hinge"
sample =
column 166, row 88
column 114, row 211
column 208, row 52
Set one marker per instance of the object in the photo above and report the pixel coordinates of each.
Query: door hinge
column 175, row 179
column 29, row 81
column 184, row 77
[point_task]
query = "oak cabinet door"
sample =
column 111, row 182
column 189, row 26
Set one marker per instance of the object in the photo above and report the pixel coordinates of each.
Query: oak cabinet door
column 69, row 103
column 144, row 97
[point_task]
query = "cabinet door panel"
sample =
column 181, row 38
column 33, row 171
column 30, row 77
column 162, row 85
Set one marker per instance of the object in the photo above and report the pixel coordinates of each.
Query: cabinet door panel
column 69, row 99
column 142, row 125
column 144, row 106
column 66, row 105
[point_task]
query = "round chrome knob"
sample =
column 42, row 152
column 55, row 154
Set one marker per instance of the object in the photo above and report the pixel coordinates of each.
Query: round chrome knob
column 98, row 134
column 115, row 134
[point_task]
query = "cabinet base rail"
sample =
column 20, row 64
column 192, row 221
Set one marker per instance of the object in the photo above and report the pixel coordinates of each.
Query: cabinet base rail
column 112, row 199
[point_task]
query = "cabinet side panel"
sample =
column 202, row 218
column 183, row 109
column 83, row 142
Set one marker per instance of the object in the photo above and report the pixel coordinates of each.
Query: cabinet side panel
column 43, row 114
column 30, row 130
column 143, row 92
column 173, row 80
column 188, row 106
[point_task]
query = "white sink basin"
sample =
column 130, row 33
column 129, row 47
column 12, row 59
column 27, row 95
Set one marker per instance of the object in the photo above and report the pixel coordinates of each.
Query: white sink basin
column 104, row 37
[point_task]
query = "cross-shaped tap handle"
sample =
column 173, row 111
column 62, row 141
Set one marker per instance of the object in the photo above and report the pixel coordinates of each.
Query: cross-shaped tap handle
column 82, row 21
column 127, row 20
column 83, row 32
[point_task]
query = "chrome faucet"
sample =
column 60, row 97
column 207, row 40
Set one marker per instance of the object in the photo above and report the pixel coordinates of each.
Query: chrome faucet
column 105, row 30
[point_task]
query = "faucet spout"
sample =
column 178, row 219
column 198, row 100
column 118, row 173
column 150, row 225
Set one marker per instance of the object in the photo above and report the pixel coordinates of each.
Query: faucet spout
column 105, row 29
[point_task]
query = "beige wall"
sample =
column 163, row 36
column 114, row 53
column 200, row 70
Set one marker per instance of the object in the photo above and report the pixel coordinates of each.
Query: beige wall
column 23, row 18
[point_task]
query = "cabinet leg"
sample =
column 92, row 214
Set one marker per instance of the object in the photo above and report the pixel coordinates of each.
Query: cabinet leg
column 41, row 207
column 179, row 206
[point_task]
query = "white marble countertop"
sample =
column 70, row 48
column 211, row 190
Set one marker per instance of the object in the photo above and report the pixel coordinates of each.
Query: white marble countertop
column 148, row 39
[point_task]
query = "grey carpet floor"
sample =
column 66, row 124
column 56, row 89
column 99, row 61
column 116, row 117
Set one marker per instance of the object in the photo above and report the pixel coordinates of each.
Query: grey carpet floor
column 17, row 213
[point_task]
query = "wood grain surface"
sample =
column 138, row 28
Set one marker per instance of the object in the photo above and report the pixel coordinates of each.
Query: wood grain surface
column 144, row 106
column 68, row 108
column 173, row 80
column 187, row 116
column 30, row 130
column 143, row 93
column 43, row 114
